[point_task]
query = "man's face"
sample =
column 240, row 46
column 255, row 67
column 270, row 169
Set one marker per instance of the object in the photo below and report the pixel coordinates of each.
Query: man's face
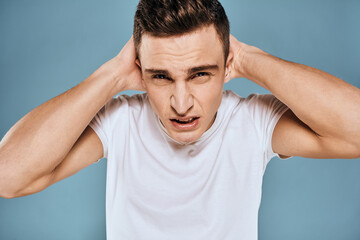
column 184, row 77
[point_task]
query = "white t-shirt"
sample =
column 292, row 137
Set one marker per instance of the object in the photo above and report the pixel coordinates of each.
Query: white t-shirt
column 159, row 189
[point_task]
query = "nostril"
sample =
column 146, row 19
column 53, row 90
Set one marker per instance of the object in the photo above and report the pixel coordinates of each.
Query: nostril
column 181, row 102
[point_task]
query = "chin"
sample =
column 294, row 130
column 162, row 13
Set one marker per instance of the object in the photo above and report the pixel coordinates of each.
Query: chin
column 185, row 137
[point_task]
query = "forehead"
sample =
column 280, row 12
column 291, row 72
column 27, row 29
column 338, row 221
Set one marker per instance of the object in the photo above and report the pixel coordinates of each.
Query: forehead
column 200, row 47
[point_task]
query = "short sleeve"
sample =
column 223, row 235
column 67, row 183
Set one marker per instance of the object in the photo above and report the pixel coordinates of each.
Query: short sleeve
column 265, row 111
column 111, row 119
column 98, row 124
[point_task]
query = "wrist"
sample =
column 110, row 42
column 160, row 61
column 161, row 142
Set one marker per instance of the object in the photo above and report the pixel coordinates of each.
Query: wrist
column 259, row 66
column 250, row 55
column 107, row 77
column 112, row 70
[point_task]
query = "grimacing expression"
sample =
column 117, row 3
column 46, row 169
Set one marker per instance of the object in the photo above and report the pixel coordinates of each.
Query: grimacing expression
column 184, row 76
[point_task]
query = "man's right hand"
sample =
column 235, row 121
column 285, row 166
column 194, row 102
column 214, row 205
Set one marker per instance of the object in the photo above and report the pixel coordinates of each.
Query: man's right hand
column 127, row 72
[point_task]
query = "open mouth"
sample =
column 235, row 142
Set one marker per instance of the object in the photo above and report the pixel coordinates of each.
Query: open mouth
column 184, row 121
column 185, row 124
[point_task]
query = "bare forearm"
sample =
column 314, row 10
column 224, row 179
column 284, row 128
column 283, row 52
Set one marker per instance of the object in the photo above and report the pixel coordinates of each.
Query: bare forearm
column 39, row 141
column 327, row 104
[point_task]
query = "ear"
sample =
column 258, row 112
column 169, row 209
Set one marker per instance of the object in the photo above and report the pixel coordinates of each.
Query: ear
column 228, row 67
column 138, row 63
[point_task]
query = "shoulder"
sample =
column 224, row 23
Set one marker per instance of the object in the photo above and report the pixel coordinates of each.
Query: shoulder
column 261, row 110
column 122, row 105
column 260, row 99
column 232, row 96
column 254, row 100
column 126, row 101
column 129, row 99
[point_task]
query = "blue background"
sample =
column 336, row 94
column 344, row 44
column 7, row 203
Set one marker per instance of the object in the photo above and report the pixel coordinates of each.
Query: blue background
column 48, row 46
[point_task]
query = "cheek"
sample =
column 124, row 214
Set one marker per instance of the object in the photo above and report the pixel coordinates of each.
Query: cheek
column 158, row 100
column 209, row 95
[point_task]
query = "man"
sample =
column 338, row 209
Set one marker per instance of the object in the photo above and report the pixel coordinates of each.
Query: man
column 185, row 161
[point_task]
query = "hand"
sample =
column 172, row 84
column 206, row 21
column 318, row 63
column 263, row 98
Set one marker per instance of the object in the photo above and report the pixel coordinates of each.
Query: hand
column 236, row 54
column 129, row 76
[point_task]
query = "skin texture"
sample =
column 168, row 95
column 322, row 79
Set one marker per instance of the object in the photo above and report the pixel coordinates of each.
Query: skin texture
column 34, row 154
column 176, row 92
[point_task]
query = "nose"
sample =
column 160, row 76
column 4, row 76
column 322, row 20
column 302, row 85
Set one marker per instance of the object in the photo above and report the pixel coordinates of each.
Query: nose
column 181, row 100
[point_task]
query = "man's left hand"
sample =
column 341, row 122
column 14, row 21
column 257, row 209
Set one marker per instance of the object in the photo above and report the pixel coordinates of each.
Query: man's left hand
column 236, row 56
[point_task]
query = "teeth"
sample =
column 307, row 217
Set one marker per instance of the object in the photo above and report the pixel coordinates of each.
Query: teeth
column 186, row 121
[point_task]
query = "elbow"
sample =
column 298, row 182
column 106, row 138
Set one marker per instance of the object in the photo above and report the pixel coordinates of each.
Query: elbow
column 356, row 152
column 357, row 149
column 7, row 195
column 6, row 192
column 10, row 189
column 352, row 147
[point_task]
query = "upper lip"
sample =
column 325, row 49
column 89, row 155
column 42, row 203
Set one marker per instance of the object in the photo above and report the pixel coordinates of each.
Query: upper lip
column 184, row 118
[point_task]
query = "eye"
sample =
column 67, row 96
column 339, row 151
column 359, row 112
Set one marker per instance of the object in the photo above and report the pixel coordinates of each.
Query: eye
column 161, row 79
column 160, row 76
column 200, row 75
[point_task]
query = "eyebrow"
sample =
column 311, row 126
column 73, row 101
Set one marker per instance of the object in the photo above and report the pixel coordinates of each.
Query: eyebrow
column 189, row 71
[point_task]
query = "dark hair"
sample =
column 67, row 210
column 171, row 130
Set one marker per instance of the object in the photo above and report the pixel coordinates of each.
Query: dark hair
column 164, row 18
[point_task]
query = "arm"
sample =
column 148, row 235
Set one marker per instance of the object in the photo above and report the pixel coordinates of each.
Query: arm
column 53, row 141
column 324, row 120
